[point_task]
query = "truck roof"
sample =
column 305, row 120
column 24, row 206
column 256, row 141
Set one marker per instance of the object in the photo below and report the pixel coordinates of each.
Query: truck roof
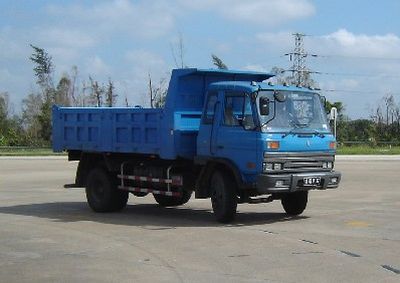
column 251, row 86
column 234, row 74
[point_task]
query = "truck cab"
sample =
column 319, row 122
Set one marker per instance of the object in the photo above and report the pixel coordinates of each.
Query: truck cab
column 276, row 140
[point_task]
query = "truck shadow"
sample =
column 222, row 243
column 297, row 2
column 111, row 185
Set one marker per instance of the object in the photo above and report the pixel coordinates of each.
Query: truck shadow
column 148, row 216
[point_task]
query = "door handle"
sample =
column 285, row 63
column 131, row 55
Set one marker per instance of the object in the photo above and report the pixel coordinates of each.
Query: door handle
column 220, row 146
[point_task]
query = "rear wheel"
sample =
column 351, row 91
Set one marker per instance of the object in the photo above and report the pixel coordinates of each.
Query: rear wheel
column 295, row 203
column 102, row 193
column 223, row 197
column 164, row 200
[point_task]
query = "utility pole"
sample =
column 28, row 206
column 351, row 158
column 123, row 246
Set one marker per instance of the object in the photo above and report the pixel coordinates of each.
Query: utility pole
column 298, row 56
column 151, row 92
column 299, row 62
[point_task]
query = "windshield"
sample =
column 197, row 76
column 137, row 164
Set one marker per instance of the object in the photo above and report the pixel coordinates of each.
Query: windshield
column 297, row 112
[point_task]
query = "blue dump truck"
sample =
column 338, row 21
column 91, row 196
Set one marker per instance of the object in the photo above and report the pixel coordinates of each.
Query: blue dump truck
column 225, row 135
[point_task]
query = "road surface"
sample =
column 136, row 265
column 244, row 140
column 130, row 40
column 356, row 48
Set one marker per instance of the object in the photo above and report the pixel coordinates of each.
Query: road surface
column 49, row 234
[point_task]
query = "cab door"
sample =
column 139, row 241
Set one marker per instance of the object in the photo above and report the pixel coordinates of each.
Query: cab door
column 209, row 125
column 236, row 138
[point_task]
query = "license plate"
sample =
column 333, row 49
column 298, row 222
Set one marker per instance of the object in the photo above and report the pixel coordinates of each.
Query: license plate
column 312, row 181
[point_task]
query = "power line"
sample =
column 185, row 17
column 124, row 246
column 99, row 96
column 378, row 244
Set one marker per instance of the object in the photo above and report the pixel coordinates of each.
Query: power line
column 345, row 74
column 352, row 91
column 358, row 91
column 357, row 75
column 356, row 57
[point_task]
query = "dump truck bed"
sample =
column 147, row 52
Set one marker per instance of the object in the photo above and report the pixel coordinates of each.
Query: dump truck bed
column 170, row 132
column 125, row 130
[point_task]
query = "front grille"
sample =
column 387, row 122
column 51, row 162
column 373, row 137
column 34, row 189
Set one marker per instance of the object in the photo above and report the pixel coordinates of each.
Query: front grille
column 299, row 162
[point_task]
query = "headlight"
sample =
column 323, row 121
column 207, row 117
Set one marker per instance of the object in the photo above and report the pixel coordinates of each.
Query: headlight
column 267, row 166
column 327, row 165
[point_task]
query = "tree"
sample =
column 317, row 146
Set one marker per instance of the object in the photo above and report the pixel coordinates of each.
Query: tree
column 4, row 123
column 281, row 78
column 63, row 91
column 339, row 106
column 386, row 116
column 44, row 73
column 178, row 52
column 11, row 132
column 43, row 67
column 157, row 92
column 31, row 106
column 97, row 93
column 74, row 76
column 111, row 97
column 4, row 109
column 279, row 75
column 218, row 62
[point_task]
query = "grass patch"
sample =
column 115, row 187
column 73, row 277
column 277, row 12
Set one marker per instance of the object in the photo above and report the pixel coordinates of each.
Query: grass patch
column 364, row 149
column 342, row 150
column 28, row 151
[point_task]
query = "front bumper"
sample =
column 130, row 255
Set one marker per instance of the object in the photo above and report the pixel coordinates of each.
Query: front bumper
column 269, row 183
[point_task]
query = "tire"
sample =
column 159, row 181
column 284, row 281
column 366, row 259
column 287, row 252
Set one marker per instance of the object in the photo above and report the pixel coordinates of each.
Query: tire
column 295, row 203
column 223, row 197
column 102, row 194
column 164, row 200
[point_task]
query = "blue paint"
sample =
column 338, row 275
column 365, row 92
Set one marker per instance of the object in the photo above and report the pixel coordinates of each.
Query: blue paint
column 177, row 130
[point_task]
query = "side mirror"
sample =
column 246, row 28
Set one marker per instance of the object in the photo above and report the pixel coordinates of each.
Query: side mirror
column 264, row 106
column 323, row 100
column 279, row 96
column 333, row 114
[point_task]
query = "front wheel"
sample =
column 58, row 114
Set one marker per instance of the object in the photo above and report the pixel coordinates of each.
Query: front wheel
column 102, row 193
column 223, row 197
column 295, row 203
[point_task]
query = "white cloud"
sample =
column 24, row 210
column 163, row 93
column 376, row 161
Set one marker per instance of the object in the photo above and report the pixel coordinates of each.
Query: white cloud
column 11, row 46
column 341, row 42
column 266, row 12
column 255, row 67
column 67, row 38
column 350, row 83
column 144, row 59
column 96, row 67
column 145, row 19
column 283, row 39
column 344, row 42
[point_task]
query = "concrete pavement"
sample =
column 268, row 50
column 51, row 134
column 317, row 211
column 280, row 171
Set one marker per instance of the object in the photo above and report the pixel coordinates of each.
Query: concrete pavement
column 48, row 234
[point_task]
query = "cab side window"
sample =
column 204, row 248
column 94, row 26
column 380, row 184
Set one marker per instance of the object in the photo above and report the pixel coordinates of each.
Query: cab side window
column 238, row 111
column 232, row 110
column 208, row 116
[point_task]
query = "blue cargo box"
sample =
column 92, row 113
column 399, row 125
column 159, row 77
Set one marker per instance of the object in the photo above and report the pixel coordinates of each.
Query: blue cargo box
column 125, row 130
column 169, row 132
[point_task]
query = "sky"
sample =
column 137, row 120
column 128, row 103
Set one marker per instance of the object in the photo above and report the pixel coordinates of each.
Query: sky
column 357, row 42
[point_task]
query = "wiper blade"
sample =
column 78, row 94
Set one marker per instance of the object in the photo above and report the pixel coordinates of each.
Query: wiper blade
column 318, row 134
column 291, row 132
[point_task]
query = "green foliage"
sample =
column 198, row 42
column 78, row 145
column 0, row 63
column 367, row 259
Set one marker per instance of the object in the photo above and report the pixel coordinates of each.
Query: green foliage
column 110, row 94
column 62, row 92
column 218, row 62
column 43, row 67
column 44, row 119
column 368, row 149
